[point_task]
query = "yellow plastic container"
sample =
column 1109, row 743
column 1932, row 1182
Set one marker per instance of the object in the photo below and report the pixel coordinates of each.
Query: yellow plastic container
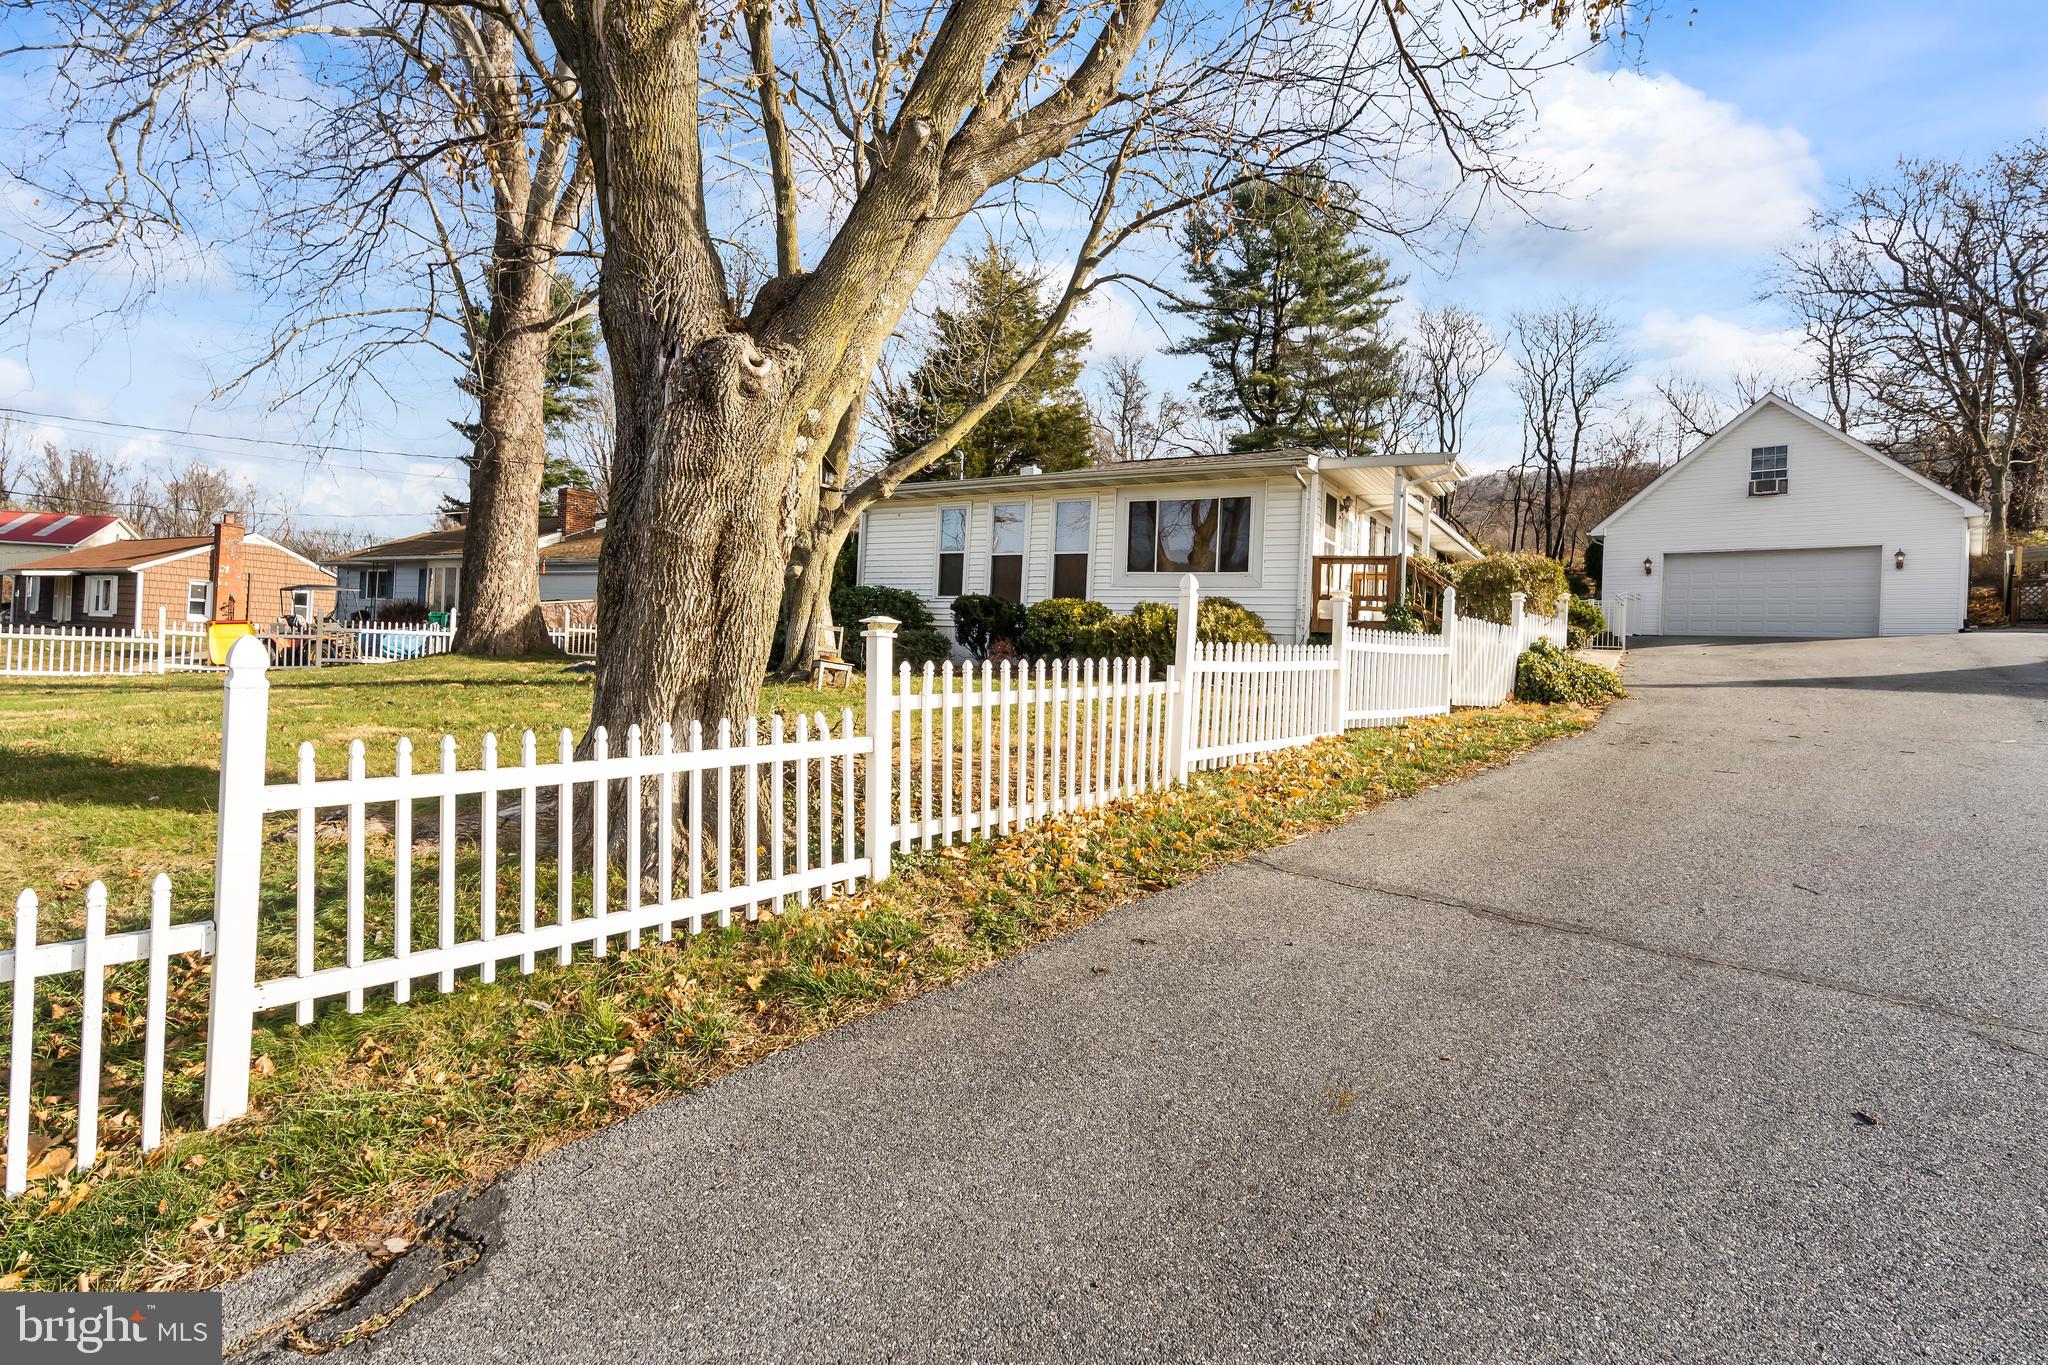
column 221, row 637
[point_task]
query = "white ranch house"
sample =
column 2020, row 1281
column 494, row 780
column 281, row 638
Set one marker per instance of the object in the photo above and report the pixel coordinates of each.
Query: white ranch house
column 1780, row 525
column 1278, row 531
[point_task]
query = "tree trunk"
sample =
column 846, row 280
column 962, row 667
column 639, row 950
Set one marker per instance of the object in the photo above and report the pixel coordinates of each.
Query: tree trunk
column 500, row 595
column 809, row 598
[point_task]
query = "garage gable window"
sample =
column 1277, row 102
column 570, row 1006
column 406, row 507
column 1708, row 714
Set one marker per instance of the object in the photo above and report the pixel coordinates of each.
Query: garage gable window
column 1767, row 471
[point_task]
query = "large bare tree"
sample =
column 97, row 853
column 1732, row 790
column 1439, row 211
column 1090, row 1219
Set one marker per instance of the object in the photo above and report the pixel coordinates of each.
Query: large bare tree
column 1925, row 298
column 1567, row 364
column 738, row 407
column 387, row 175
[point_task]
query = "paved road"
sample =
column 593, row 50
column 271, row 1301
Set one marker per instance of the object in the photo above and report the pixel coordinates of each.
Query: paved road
column 1565, row 1062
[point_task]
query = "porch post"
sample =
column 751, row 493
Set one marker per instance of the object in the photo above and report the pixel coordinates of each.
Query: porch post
column 1401, row 534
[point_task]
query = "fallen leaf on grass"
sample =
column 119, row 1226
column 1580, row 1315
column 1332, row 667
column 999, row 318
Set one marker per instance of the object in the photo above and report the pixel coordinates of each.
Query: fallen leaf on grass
column 45, row 1160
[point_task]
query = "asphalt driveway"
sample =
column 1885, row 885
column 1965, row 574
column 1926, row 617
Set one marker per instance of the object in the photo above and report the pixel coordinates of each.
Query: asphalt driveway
column 1718, row 1034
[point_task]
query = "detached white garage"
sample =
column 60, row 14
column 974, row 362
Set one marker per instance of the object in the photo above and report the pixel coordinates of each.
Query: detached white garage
column 1779, row 525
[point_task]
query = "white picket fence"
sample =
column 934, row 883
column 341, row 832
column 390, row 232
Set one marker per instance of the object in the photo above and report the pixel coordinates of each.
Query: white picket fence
column 1484, row 653
column 76, row 652
column 435, row 872
column 90, row 651
column 578, row 642
column 89, row 959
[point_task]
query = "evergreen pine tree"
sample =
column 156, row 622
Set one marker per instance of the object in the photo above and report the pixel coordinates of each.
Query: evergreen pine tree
column 1291, row 315
column 1044, row 421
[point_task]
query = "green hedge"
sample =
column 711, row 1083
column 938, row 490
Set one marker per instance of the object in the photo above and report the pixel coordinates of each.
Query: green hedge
column 1546, row 673
column 1485, row 585
column 918, row 640
column 980, row 622
column 1586, row 621
column 1061, row 628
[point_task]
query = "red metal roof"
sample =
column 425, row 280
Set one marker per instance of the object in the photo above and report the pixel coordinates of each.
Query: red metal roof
column 55, row 529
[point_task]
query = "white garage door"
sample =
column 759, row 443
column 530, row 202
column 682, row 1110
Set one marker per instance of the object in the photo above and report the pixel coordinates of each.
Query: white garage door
column 1773, row 592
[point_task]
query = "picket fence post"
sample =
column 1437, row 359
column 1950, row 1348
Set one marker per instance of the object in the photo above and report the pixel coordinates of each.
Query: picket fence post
column 1340, row 660
column 163, row 639
column 1180, row 710
column 1450, row 631
column 237, row 879
column 881, row 666
column 1518, row 624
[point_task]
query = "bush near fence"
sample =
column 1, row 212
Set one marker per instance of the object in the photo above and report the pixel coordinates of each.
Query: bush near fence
column 1547, row 673
column 428, row 874
column 1486, row 586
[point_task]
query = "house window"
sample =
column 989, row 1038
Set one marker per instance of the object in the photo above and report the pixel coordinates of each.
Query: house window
column 198, row 600
column 302, row 604
column 375, row 583
column 1071, row 521
column 1189, row 535
column 1330, row 540
column 101, row 593
column 1006, row 552
column 32, row 599
column 952, row 551
column 444, row 587
column 1767, row 471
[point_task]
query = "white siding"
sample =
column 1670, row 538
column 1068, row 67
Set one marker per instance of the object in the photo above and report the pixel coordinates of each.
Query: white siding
column 900, row 547
column 1839, row 497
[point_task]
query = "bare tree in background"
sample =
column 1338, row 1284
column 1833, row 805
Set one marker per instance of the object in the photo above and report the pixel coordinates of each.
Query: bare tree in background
column 79, row 481
column 1568, row 361
column 387, row 174
column 1927, row 293
column 1451, row 350
column 1122, row 404
column 188, row 501
column 1134, row 421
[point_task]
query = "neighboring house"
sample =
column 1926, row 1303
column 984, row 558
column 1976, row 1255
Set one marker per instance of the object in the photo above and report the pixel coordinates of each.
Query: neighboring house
column 37, row 535
column 1779, row 525
column 123, row 584
column 427, row 568
column 1277, row 531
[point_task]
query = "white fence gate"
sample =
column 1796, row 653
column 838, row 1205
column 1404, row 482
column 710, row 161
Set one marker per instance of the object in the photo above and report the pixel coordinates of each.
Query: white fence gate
column 450, row 871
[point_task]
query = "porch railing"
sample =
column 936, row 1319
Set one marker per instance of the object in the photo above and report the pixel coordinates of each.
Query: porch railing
column 1374, row 583
column 1370, row 581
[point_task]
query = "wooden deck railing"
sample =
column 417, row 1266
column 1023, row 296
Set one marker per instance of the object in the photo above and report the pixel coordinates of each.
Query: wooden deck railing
column 1371, row 580
column 1374, row 583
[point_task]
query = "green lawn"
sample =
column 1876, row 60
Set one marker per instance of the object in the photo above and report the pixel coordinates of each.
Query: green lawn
column 116, row 779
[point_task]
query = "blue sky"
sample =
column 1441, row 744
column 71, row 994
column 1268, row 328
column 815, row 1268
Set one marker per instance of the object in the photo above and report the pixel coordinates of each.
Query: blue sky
column 1681, row 174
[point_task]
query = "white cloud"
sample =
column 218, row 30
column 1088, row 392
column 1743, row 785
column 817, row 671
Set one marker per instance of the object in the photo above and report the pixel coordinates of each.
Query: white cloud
column 1117, row 326
column 1715, row 348
column 1648, row 164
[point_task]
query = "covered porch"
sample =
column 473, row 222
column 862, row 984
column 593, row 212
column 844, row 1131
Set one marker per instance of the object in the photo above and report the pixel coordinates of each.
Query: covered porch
column 1378, row 530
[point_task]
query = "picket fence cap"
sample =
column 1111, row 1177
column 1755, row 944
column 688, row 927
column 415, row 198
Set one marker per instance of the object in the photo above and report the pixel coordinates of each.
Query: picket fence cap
column 881, row 625
column 247, row 658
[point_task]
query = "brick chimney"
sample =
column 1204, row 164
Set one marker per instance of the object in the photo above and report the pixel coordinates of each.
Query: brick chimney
column 577, row 508
column 226, row 570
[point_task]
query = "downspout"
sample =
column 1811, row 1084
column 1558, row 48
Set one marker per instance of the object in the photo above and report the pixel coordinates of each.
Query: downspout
column 1304, row 555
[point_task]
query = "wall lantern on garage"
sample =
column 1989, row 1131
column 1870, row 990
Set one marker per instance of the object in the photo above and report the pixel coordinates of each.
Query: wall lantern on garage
column 1647, row 565
column 1899, row 559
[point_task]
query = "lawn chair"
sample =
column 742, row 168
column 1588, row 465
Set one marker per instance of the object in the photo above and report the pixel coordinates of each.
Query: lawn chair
column 831, row 663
